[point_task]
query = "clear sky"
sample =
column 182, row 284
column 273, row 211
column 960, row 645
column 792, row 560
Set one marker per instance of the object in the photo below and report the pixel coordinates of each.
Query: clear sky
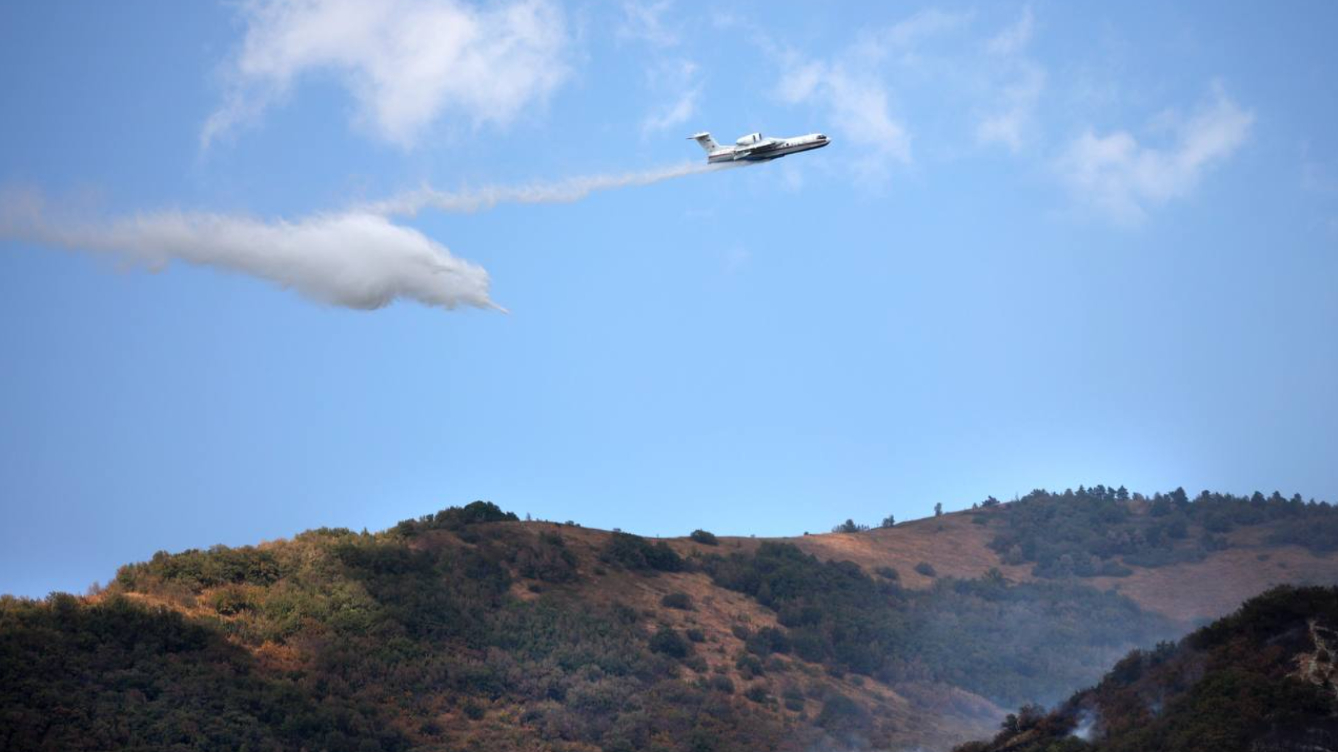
column 1051, row 244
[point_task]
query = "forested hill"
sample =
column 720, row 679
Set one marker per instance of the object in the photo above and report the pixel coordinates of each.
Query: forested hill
column 1261, row 679
column 471, row 629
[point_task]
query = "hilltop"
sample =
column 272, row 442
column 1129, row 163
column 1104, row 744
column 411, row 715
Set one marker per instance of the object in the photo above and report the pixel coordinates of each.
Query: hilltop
column 1191, row 560
column 470, row 628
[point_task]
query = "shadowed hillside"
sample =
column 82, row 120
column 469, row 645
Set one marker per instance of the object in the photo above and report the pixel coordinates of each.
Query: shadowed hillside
column 472, row 629
column 1261, row 679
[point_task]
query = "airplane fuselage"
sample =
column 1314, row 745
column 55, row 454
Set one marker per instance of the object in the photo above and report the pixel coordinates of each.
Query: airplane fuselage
column 755, row 148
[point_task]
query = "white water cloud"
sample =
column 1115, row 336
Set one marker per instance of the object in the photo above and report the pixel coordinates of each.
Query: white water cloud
column 1122, row 177
column 564, row 191
column 406, row 62
column 354, row 259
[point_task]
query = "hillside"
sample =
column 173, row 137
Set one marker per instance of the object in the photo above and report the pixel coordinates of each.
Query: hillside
column 472, row 629
column 1261, row 679
column 1232, row 548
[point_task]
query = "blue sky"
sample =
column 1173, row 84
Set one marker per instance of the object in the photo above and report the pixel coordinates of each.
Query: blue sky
column 1051, row 244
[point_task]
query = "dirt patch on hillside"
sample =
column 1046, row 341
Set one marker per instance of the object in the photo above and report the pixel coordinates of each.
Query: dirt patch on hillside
column 1216, row 586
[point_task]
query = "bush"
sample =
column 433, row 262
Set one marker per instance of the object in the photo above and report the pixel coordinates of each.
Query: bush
column 636, row 553
column 926, row 569
column 768, row 640
column 850, row 526
column 681, row 601
column 722, row 683
column 455, row 518
column 703, row 537
column 670, row 643
column 549, row 561
column 840, row 713
column 749, row 666
column 757, row 693
column 473, row 710
column 888, row 573
column 231, row 600
column 695, row 634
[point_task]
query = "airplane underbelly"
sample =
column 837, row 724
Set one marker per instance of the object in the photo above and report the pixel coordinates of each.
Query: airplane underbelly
column 766, row 156
column 778, row 153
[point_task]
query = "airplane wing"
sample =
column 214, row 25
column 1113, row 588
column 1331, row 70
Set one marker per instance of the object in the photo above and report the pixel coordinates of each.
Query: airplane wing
column 770, row 144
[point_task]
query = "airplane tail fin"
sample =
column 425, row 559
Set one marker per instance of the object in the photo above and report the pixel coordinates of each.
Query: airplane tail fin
column 705, row 140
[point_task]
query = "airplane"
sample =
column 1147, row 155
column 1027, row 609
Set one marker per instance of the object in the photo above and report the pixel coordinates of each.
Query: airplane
column 754, row 148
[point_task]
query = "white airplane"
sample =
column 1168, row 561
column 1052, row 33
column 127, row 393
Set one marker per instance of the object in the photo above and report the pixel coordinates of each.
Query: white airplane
column 754, row 148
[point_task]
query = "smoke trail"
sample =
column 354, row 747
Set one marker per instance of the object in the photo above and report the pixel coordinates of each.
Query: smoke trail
column 566, row 191
column 354, row 259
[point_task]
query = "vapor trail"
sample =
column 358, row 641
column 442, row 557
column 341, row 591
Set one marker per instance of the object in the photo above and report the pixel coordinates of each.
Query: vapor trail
column 409, row 203
column 357, row 258
column 354, row 259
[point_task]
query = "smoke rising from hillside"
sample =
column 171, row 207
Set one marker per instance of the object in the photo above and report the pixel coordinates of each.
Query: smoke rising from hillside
column 354, row 259
column 565, row 191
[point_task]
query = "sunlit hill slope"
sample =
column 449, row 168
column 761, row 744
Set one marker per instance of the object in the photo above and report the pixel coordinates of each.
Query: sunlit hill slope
column 472, row 629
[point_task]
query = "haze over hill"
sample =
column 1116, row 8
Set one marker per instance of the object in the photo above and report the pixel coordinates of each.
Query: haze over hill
column 1260, row 679
column 472, row 628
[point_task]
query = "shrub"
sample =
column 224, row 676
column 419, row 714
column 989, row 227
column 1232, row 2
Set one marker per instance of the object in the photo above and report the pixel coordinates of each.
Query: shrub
column 473, row 710
column 757, row 693
column 926, row 569
column 888, row 573
column 670, row 643
column 749, row 666
column 768, row 640
column 840, row 713
column 850, row 526
column 678, row 600
column 636, row 553
column 703, row 537
column 722, row 683
column 549, row 561
column 455, row 518
column 695, row 634
column 231, row 600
